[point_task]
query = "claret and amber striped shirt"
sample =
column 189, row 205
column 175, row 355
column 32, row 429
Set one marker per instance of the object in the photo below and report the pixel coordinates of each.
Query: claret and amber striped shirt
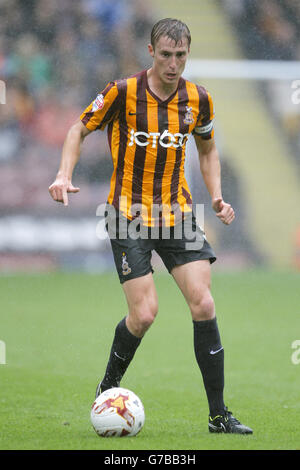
column 147, row 138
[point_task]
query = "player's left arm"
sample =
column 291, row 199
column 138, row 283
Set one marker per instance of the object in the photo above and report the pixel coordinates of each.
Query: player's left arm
column 211, row 171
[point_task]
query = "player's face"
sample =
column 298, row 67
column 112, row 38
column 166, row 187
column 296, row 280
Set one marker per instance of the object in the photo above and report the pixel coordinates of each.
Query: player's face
column 169, row 59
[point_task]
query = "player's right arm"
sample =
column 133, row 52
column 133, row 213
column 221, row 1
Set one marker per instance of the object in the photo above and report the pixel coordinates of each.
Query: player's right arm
column 103, row 109
column 62, row 185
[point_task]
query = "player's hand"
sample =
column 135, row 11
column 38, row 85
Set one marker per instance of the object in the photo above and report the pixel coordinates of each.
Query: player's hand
column 223, row 210
column 60, row 188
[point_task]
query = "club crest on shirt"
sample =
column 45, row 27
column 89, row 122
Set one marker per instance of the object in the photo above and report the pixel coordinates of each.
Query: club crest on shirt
column 125, row 267
column 98, row 103
column 188, row 118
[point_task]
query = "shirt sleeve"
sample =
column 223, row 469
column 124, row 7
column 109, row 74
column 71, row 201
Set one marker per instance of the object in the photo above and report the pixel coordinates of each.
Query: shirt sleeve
column 204, row 126
column 103, row 109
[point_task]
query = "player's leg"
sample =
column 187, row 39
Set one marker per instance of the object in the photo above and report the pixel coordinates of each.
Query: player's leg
column 142, row 308
column 194, row 280
column 142, row 304
column 133, row 263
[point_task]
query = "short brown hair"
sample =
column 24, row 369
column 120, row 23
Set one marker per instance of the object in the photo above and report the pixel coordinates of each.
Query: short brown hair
column 174, row 29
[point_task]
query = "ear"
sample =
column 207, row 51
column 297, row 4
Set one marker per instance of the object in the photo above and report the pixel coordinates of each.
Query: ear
column 151, row 50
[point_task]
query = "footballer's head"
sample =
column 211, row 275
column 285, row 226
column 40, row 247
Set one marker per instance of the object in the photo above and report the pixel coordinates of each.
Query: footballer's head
column 169, row 48
column 174, row 29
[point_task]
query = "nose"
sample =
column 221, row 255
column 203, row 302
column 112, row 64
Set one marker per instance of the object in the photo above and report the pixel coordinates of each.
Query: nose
column 173, row 62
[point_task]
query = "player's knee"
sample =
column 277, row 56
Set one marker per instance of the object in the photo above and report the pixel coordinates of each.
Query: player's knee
column 202, row 306
column 146, row 320
column 142, row 323
column 143, row 315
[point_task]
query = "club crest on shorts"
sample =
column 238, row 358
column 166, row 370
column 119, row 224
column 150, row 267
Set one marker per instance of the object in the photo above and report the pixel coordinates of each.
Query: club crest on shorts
column 125, row 267
column 188, row 118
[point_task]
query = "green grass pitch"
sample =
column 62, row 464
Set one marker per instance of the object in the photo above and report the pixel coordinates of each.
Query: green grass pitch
column 58, row 328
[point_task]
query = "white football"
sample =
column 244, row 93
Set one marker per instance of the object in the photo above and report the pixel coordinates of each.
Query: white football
column 117, row 412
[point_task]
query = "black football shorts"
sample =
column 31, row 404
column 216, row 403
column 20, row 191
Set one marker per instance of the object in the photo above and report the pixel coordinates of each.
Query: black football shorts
column 176, row 245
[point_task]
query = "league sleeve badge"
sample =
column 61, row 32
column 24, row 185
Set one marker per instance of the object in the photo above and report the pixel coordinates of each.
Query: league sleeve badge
column 98, row 103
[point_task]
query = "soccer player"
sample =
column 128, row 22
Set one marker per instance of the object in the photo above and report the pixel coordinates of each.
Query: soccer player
column 149, row 118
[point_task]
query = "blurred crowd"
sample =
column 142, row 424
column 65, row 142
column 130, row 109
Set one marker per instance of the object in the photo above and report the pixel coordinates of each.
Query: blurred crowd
column 55, row 56
column 270, row 30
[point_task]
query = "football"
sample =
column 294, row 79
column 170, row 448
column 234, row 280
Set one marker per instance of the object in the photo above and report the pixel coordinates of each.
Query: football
column 117, row 412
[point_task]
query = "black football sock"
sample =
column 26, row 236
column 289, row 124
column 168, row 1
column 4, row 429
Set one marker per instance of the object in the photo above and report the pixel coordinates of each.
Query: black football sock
column 122, row 351
column 210, row 358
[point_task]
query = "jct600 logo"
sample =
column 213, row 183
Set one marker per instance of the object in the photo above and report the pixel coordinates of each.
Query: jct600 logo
column 166, row 139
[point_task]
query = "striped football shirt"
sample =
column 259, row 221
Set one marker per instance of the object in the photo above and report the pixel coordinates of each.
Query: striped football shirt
column 147, row 139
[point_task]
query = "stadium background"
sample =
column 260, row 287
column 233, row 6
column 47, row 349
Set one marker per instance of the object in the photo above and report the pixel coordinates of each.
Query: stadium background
column 55, row 57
